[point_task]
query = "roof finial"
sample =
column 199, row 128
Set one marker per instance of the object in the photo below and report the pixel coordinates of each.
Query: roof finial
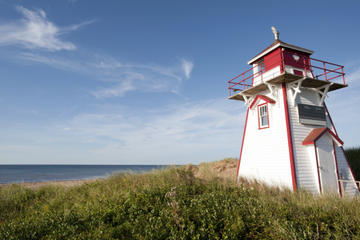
column 276, row 33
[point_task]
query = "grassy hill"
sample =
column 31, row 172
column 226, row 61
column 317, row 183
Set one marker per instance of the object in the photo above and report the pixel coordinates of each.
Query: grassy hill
column 190, row 202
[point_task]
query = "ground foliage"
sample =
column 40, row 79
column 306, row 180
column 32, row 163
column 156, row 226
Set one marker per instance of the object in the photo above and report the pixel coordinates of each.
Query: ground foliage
column 353, row 156
column 173, row 204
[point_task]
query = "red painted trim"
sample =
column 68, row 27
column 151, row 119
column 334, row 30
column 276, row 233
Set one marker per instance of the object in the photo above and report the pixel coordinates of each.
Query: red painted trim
column 337, row 169
column 267, row 109
column 289, row 137
column 268, row 113
column 317, row 167
column 242, row 143
column 258, row 116
column 314, row 135
column 265, row 98
column 336, row 137
column 309, row 140
column 331, row 121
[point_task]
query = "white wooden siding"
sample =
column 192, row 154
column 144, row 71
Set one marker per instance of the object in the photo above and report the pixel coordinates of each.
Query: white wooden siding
column 314, row 167
column 306, row 175
column 265, row 155
column 266, row 76
column 350, row 188
column 327, row 166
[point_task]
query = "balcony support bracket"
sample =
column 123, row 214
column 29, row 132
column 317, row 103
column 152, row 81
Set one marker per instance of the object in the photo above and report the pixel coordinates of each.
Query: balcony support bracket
column 247, row 99
column 295, row 89
column 323, row 90
column 272, row 89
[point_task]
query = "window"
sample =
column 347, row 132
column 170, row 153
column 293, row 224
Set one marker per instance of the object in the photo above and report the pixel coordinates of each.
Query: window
column 263, row 116
column 260, row 66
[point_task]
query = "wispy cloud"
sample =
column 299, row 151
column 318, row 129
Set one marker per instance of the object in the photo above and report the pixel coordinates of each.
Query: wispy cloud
column 136, row 76
column 35, row 31
column 53, row 61
column 189, row 132
column 119, row 89
column 118, row 77
column 187, row 67
column 354, row 76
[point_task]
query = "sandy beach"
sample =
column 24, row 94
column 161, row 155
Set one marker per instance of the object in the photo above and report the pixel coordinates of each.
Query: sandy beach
column 221, row 169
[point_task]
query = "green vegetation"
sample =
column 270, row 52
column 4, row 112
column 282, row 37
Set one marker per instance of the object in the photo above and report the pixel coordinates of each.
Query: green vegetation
column 353, row 156
column 187, row 202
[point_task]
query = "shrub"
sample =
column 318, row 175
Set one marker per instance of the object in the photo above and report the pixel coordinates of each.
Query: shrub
column 173, row 204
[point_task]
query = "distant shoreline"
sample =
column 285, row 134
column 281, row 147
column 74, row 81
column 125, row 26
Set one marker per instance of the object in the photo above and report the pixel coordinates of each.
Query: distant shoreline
column 224, row 169
column 30, row 174
column 62, row 183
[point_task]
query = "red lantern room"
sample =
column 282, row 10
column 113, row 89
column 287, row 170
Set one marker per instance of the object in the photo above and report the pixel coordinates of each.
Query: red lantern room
column 281, row 61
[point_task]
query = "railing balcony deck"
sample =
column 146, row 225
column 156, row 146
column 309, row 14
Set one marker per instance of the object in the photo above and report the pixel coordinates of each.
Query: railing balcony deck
column 311, row 68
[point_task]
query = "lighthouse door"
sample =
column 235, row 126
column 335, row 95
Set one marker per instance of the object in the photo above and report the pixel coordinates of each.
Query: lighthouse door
column 327, row 168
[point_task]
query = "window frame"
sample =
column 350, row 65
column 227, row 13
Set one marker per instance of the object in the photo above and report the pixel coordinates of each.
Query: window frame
column 260, row 66
column 260, row 126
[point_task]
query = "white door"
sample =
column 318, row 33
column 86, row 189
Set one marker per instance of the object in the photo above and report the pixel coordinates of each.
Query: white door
column 327, row 168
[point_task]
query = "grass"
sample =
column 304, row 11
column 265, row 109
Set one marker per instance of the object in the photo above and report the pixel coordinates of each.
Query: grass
column 189, row 202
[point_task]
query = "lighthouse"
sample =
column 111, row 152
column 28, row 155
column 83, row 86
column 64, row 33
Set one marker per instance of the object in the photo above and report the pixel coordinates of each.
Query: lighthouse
column 289, row 138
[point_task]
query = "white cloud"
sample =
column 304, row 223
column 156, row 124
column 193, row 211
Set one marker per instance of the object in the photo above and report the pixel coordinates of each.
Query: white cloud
column 35, row 31
column 119, row 78
column 55, row 62
column 117, row 90
column 190, row 132
column 187, row 67
column 108, row 63
column 135, row 76
column 354, row 76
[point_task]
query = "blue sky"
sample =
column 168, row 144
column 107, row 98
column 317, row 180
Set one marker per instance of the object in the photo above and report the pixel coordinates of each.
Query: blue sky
column 144, row 82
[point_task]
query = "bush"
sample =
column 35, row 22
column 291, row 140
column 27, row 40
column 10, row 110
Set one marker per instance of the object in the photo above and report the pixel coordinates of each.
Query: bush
column 173, row 204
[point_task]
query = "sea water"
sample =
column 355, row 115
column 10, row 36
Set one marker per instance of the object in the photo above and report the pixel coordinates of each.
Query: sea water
column 41, row 173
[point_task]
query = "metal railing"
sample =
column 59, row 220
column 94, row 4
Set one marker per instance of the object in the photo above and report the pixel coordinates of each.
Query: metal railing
column 246, row 79
column 324, row 72
column 318, row 69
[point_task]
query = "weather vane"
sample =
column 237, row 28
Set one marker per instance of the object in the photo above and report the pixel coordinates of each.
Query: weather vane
column 276, row 33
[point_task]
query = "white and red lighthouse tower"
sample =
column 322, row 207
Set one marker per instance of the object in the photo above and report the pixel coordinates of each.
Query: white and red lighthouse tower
column 289, row 138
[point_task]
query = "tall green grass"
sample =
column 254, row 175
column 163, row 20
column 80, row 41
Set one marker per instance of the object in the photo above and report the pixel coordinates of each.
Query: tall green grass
column 173, row 204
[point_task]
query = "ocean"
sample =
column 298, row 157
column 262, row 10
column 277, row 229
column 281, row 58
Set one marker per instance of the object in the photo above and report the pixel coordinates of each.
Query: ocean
column 41, row 173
